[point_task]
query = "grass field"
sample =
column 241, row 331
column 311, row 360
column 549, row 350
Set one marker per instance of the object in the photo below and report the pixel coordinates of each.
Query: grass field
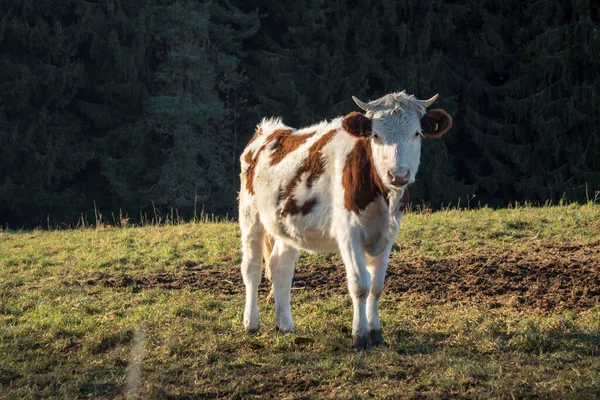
column 478, row 304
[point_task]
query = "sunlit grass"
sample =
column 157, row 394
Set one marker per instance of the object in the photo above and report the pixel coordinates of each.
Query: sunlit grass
column 63, row 338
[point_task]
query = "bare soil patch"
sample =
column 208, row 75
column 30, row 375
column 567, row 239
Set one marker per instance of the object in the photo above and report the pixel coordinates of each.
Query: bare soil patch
column 545, row 277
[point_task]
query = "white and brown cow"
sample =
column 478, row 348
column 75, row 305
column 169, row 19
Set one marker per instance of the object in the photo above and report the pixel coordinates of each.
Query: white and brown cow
column 335, row 186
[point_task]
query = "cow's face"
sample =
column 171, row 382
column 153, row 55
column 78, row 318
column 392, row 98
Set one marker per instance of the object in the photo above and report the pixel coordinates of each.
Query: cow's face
column 398, row 124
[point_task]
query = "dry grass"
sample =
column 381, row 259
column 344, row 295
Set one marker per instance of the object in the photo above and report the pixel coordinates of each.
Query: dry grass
column 73, row 305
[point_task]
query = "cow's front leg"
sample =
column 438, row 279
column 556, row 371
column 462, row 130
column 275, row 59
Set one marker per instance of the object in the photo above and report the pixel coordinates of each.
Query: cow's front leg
column 376, row 267
column 359, row 282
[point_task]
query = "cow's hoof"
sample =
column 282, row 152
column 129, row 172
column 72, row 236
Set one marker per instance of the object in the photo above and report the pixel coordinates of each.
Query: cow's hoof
column 285, row 329
column 252, row 329
column 360, row 343
column 377, row 337
column 251, row 326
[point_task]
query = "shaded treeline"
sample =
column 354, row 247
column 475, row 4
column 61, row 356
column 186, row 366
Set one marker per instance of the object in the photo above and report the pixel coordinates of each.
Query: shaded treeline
column 133, row 103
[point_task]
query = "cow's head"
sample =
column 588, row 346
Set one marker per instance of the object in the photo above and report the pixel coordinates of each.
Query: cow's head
column 395, row 125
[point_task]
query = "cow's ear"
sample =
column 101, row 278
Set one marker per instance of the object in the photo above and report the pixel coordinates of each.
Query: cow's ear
column 357, row 124
column 435, row 123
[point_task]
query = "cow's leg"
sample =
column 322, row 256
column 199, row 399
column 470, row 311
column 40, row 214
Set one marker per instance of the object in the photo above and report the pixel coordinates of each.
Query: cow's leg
column 252, row 237
column 376, row 267
column 359, row 283
column 282, row 263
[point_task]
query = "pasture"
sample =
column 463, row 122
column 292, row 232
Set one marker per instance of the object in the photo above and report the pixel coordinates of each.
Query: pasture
column 478, row 304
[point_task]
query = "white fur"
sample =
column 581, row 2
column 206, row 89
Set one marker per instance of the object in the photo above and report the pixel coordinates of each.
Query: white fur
column 364, row 240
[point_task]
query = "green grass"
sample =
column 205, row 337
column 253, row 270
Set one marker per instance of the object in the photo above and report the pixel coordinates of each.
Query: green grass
column 68, row 324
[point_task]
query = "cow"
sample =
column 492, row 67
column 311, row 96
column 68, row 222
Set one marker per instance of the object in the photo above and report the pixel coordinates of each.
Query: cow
column 337, row 186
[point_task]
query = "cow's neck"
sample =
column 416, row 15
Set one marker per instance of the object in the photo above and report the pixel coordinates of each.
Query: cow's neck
column 362, row 184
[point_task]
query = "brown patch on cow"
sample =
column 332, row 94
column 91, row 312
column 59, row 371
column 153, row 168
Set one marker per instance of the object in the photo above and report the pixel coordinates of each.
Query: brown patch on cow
column 357, row 124
column 251, row 160
column 292, row 208
column 362, row 185
column 257, row 133
column 285, row 142
column 436, row 123
column 314, row 165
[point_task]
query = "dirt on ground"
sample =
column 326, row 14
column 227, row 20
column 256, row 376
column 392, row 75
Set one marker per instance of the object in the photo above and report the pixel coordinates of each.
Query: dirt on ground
column 545, row 277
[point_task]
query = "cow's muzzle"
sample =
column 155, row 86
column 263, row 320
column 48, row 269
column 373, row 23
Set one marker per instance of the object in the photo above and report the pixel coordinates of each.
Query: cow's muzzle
column 399, row 176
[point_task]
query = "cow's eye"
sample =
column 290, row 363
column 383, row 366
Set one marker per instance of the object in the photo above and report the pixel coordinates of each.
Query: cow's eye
column 418, row 133
column 374, row 136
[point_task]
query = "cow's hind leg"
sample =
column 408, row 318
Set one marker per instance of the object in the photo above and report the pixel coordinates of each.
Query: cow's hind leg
column 377, row 267
column 282, row 263
column 252, row 237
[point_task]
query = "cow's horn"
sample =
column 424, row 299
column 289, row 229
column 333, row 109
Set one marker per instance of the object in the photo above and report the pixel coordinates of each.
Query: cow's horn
column 427, row 103
column 360, row 103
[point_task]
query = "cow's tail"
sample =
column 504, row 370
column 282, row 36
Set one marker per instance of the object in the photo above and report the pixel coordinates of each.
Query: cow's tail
column 267, row 248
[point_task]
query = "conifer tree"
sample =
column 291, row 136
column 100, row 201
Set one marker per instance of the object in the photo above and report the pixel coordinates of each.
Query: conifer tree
column 307, row 60
column 113, row 101
column 197, row 52
column 124, row 103
column 555, row 98
column 43, row 145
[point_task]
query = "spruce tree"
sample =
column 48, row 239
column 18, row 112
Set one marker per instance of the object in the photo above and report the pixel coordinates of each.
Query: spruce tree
column 116, row 56
column 193, row 105
column 43, row 144
column 308, row 59
column 555, row 98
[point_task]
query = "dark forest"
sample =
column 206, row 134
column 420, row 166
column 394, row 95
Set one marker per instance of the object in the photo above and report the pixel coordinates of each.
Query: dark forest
column 127, row 106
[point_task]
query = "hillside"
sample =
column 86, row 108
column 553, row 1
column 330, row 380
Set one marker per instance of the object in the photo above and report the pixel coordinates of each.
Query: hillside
column 478, row 304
